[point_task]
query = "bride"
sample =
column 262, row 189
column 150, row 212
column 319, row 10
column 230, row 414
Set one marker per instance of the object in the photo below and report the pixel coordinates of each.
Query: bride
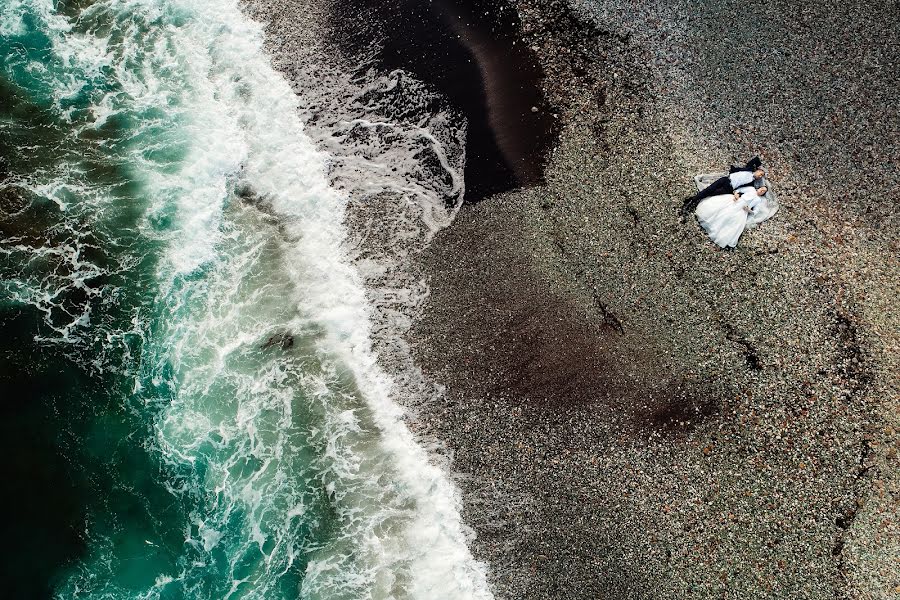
column 725, row 217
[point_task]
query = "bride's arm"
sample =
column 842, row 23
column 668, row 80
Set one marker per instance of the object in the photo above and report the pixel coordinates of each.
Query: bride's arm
column 746, row 200
column 742, row 190
column 752, row 203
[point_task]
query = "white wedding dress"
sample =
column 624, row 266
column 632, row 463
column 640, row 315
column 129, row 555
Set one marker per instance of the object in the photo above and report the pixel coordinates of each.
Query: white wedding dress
column 724, row 218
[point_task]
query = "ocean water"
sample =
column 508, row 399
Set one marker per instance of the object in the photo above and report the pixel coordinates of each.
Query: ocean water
column 191, row 401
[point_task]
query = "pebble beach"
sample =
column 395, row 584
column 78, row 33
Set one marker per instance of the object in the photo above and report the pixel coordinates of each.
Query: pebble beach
column 637, row 413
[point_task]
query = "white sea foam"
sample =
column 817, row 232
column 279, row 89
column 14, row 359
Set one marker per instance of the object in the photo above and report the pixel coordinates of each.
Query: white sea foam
column 284, row 167
column 265, row 440
column 260, row 436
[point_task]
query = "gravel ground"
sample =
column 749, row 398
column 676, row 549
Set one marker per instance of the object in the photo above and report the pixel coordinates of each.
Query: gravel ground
column 631, row 412
column 635, row 413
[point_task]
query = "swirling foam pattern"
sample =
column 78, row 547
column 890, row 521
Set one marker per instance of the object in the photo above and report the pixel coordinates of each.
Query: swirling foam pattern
column 171, row 226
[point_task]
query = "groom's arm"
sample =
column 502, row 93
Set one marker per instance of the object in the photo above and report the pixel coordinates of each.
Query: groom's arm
column 753, row 164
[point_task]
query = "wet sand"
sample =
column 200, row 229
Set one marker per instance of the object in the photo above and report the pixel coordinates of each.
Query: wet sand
column 467, row 52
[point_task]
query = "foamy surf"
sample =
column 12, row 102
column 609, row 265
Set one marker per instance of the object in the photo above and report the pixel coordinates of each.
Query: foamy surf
column 271, row 420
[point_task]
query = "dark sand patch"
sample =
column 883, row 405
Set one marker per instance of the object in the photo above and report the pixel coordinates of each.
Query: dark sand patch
column 521, row 337
column 470, row 52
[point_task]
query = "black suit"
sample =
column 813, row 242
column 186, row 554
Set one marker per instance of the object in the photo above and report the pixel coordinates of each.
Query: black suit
column 722, row 185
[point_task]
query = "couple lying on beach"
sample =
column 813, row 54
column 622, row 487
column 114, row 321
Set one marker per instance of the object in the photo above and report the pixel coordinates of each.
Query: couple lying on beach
column 732, row 203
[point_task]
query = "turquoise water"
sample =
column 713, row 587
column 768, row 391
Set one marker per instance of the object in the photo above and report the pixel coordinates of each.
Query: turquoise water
column 191, row 397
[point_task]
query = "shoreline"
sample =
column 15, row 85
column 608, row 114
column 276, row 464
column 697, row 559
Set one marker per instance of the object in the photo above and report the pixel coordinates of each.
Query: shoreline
column 465, row 51
column 600, row 414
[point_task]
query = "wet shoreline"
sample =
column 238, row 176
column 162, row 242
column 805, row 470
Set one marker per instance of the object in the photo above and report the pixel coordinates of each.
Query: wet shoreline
column 466, row 51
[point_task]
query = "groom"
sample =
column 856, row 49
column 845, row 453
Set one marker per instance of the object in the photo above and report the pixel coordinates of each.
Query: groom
column 737, row 177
